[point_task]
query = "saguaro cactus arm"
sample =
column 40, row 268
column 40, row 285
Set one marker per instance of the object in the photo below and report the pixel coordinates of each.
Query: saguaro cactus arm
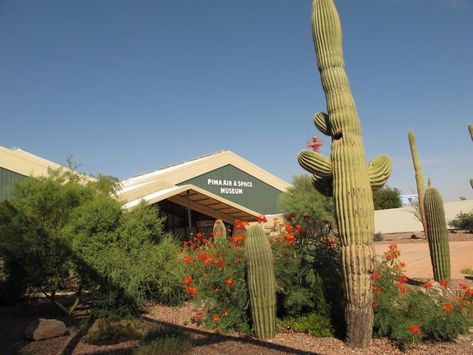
column 379, row 170
column 322, row 123
column 316, row 163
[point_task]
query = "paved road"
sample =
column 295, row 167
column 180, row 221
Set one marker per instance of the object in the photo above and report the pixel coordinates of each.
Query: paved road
column 417, row 258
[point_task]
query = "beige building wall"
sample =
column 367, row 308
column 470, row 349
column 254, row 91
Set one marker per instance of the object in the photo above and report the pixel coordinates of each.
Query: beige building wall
column 400, row 220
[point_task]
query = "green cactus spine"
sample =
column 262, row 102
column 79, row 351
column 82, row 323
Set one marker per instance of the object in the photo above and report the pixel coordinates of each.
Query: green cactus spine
column 438, row 234
column 346, row 175
column 419, row 179
column 219, row 230
column 261, row 282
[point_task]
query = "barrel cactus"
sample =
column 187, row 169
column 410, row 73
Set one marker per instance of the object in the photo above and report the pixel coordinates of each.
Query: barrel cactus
column 261, row 282
column 219, row 230
column 345, row 175
column 419, row 179
column 438, row 234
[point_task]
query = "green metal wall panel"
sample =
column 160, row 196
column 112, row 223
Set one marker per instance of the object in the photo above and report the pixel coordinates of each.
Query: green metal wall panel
column 237, row 186
column 8, row 179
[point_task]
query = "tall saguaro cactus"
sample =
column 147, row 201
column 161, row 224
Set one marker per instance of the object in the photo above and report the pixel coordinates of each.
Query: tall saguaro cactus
column 346, row 175
column 438, row 234
column 261, row 282
column 419, row 179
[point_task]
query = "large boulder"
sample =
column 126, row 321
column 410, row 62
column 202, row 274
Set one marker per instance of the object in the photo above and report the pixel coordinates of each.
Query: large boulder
column 44, row 329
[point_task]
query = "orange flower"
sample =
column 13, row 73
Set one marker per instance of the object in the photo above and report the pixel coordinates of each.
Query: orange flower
column 415, row 329
column 463, row 285
column 469, row 292
column 221, row 263
column 376, row 275
column 402, row 288
column 443, row 283
column 374, row 304
column 428, row 284
column 188, row 280
column 216, row 318
column 229, row 281
column 288, row 228
column 298, row 229
column 261, row 219
column 192, row 291
column 198, row 315
column 188, row 260
column 447, row 307
column 377, row 290
column 238, row 238
column 403, row 279
column 208, row 261
column 240, row 225
column 199, row 235
column 392, row 247
column 202, row 256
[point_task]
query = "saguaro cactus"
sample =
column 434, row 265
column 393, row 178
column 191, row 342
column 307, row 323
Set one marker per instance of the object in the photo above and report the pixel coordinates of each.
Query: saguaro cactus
column 346, row 174
column 261, row 282
column 419, row 179
column 219, row 230
column 438, row 234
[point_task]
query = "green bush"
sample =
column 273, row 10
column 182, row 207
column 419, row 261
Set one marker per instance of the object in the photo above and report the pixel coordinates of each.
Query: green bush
column 60, row 226
column 165, row 340
column 410, row 315
column 114, row 331
column 463, row 221
column 378, row 237
column 314, row 324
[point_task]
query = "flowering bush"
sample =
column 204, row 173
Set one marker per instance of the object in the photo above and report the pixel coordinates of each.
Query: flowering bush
column 411, row 314
column 215, row 280
column 307, row 274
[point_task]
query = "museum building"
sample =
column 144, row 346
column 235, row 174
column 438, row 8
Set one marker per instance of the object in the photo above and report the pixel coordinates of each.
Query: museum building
column 191, row 194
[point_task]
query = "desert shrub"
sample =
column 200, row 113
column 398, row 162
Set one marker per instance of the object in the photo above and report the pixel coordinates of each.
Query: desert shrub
column 61, row 226
column 387, row 197
column 467, row 270
column 378, row 237
column 307, row 274
column 127, row 255
column 113, row 331
column 463, row 221
column 411, row 315
column 315, row 324
column 216, row 282
column 164, row 340
column 305, row 206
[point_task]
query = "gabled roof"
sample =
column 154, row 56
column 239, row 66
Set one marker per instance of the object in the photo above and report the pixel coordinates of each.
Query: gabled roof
column 175, row 174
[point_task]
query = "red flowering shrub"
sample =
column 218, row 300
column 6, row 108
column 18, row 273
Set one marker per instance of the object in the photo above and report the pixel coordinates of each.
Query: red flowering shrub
column 215, row 280
column 411, row 314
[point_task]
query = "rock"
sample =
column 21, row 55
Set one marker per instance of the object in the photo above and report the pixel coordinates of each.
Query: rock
column 44, row 329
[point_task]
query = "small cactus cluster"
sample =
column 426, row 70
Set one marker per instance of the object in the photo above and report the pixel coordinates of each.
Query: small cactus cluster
column 438, row 234
column 345, row 175
column 219, row 229
column 261, row 282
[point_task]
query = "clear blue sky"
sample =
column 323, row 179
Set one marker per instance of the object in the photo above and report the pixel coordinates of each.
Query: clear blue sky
column 128, row 86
